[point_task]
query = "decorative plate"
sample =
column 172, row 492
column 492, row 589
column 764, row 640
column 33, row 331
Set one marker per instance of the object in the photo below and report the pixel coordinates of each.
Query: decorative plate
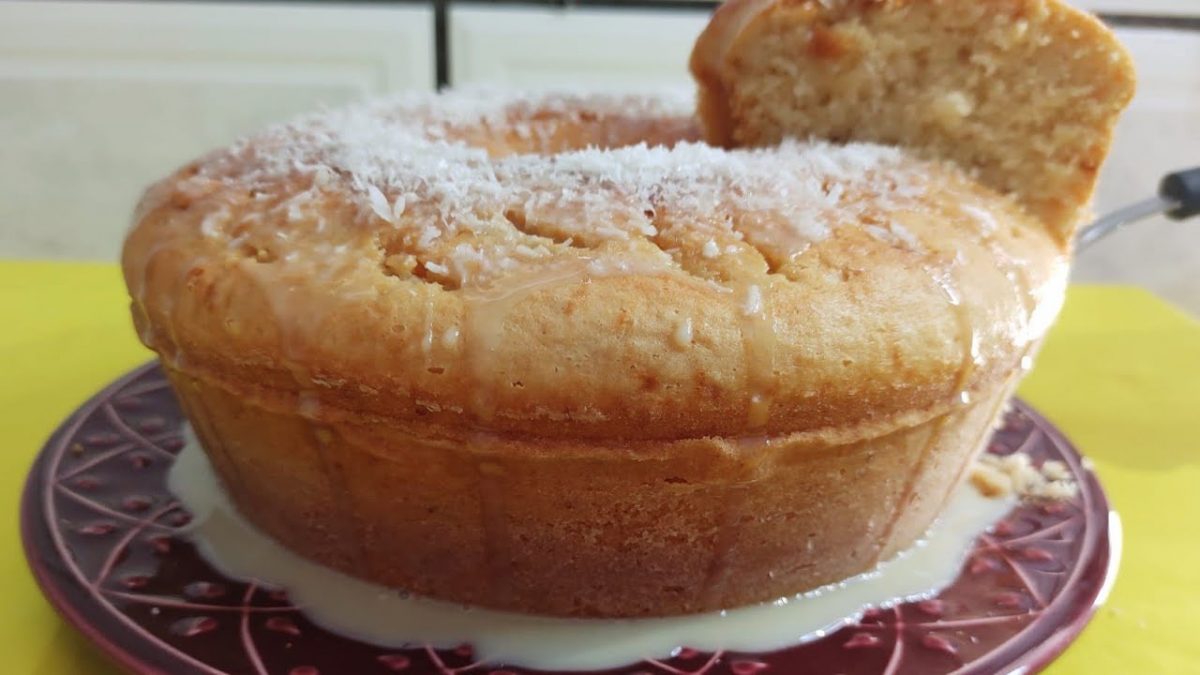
column 105, row 541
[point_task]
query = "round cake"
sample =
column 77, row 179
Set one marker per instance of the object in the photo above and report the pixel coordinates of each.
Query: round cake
column 555, row 354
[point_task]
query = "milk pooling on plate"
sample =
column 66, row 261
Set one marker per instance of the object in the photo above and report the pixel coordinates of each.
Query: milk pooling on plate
column 387, row 617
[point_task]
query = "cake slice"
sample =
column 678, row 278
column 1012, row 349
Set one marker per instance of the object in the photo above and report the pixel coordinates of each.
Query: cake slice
column 1023, row 93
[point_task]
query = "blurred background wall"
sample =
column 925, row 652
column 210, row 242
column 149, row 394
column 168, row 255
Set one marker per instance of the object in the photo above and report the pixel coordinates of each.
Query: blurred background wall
column 98, row 98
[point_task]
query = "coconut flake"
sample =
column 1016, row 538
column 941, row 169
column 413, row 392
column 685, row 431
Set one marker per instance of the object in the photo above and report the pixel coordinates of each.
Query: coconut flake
column 410, row 162
column 754, row 301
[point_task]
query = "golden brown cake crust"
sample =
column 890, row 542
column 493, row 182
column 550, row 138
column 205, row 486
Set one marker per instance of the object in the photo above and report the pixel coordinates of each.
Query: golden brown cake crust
column 1023, row 93
column 583, row 528
column 456, row 262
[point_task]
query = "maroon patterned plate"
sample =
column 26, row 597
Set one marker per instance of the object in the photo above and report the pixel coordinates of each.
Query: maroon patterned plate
column 104, row 538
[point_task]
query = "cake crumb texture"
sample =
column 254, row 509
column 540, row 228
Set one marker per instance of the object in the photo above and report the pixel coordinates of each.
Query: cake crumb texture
column 1015, row 474
column 1022, row 93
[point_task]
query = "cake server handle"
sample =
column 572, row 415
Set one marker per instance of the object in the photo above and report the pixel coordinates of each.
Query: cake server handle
column 1178, row 198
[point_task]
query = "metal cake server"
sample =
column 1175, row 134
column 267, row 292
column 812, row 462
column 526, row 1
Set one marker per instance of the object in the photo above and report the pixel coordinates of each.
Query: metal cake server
column 1178, row 198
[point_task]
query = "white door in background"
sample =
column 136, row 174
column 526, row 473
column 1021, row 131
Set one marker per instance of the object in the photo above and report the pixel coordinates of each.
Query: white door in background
column 99, row 98
column 603, row 48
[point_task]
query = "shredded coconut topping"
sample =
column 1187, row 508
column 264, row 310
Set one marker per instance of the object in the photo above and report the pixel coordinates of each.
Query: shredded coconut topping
column 683, row 333
column 753, row 303
column 468, row 186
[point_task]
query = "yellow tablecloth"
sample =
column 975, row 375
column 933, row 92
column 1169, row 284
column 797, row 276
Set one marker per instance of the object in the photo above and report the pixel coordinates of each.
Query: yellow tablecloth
column 1120, row 374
